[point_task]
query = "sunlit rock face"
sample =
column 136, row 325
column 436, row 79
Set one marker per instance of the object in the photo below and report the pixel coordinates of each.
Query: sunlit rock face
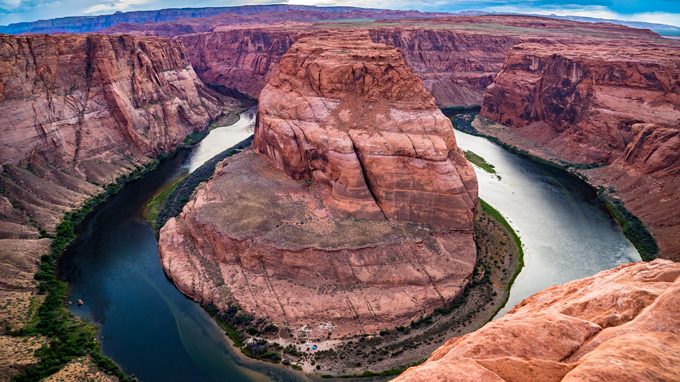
column 351, row 214
column 619, row 325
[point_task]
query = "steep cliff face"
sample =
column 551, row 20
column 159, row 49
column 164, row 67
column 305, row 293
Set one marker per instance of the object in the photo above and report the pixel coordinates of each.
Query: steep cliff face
column 239, row 58
column 77, row 112
column 619, row 325
column 610, row 105
column 316, row 232
column 455, row 66
column 351, row 115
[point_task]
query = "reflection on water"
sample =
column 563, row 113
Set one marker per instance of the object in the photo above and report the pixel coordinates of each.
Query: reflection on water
column 147, row 326
column 566, row 232
column 215, row 142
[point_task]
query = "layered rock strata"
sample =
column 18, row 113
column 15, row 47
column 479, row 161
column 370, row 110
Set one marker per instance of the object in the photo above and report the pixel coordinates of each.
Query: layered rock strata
column 78, row 112
column 619, row 325
column 350, row 114
column 456, row 57
column 352, row 214
column 600, row 105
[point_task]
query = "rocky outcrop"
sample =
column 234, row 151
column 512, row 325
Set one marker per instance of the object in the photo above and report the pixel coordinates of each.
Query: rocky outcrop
column 600, row 105
column 351, row 115
column 354, row 216
column 78, row 112
column 619, row 325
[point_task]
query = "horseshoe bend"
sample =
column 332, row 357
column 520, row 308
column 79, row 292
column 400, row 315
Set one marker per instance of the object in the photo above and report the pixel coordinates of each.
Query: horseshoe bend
column 288, row 193
column 352, row 213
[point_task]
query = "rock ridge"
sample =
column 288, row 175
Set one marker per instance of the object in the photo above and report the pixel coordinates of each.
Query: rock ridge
column 619, row 325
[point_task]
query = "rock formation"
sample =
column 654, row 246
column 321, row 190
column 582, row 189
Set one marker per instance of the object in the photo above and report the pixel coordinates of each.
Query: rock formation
column 456, row 57
column 361, row 124
column 239, row 58
column 608, row 105
column 619, row 325
column 77, row 112
column 358, row 215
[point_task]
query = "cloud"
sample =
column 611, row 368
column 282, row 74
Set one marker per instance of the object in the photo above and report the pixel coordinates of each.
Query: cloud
column 115, row 6
column 10, row 4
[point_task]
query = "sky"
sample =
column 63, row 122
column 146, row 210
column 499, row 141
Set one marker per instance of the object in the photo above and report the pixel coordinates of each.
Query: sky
column 656, row 11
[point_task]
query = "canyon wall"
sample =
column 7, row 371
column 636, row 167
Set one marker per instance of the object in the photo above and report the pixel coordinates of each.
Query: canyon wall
column 619, row 325
column 353, row 212
column 77, row 112
column 239, row 58
column 611, row 106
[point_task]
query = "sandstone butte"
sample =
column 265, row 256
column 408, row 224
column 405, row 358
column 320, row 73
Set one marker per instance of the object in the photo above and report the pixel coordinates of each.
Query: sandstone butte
column 77, row 112
column 353, row 212
column 612, row 106
column 619, row 325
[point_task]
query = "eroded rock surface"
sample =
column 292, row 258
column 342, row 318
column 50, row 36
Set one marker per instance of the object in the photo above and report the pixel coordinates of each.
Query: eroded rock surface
column 619, row 325
column 616, row 106
column 77, row 112
column 350, row 114
column 355, row 217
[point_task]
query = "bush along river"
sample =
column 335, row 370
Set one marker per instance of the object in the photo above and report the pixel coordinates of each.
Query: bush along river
column 146, row 325
column 157, row 334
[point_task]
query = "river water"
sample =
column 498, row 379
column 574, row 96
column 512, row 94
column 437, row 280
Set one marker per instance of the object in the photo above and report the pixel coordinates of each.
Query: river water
column 156, row 333
column 566, row 232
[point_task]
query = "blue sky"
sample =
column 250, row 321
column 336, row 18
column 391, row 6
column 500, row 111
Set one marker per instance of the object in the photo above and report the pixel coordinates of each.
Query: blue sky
column 660, row 11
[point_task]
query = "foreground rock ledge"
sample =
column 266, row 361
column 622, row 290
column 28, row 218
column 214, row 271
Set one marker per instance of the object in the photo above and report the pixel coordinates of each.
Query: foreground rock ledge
column 619, row 325
column 357, row 218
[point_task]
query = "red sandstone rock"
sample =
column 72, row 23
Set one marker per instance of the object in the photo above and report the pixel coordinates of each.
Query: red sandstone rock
column 239, row 58
column 77, row 112
column 299, row 235
column 350, row 114
column 613, row 105
column 619, row 325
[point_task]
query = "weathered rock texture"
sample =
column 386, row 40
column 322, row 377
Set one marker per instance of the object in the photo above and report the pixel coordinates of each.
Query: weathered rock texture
column 614, row 105
column 77, row 112
column 318, row 234
column 456, row 57
column 350, row 114
column 239, row 58
column 619, row 325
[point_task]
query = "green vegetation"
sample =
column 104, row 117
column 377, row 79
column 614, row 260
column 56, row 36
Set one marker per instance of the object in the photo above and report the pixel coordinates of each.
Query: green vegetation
column 385, row 373
column 154, row 206
column 181, row 192
column 487, row 208
column 481, row 163
column 235, row 322
column 69, row 337
column 632, row 227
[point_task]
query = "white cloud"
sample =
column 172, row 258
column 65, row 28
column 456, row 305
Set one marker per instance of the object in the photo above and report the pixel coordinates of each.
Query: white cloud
column 114, row 6
column 655, row 17
column 10, row 4
column 596, row 11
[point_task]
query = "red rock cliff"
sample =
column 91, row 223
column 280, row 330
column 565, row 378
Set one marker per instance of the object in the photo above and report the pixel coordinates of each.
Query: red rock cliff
column 619, row 325
column 350, row 114
column 613, row 105
column 298, row 235
column 76, row 112
column 239, row 58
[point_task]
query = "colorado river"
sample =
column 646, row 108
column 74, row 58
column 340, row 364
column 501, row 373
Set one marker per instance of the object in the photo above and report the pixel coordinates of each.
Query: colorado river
column 566, row 232
column 147, row 326
column 154, row 332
